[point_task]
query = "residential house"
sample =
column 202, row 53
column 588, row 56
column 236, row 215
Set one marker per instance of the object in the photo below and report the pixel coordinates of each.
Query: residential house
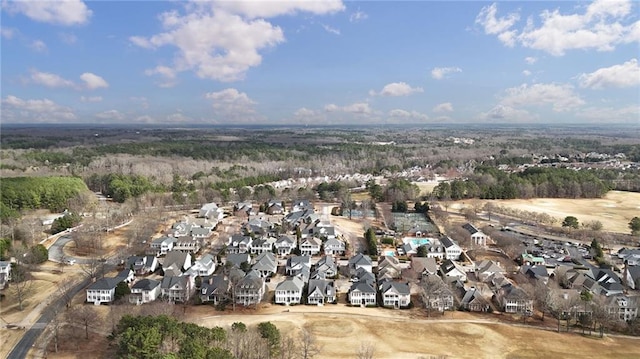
column 200, row 232
column 145, row 291
column 360, row 261
column 177, row 288
column 328, row 266
column 310, row 246
column 436, row 250
column 438, row 295
column 486, row 268
column 478, row 238
column 363, row 294
column 297, row 218
column 5, row 273
column 334, row 247
column 250, row 289
column 257, row 226
column 180, row 229
column 451, row 248
column 260, row 245
column 142, row 265
column 623, row 307
column 175, row 263
column 630, row 256
column 126, row 275
column 214, row 289
column 187, row 244
column 531, row 260
column 243, row 209
column 236, row 260
column 514, row 300
column 362, row 275
column 299, row 266
column 289, row 291
column 473, row 301
column 395, row 294
column 284, row 245
column 321, row 292
column 239, row 244
column 301, row 205
column 424, row 266
column 274, row 207
column 265, row 264
column 536, row 272
column 102, row 291
column 607, row 279
column 162, row 245
column 408, row 249
column 203, row 267
column 632, row 277
column 389, row 268
column 451, row 269
column 211, row 211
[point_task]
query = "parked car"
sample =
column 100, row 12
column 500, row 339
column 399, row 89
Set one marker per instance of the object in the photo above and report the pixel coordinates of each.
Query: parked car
column 70, row 262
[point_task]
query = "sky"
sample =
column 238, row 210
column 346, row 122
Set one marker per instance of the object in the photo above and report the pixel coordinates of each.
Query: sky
column 320, row 62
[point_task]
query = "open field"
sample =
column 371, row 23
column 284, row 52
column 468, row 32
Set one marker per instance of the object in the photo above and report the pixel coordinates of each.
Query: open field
column 341, row 330
column 614, row 210
column 426, row 187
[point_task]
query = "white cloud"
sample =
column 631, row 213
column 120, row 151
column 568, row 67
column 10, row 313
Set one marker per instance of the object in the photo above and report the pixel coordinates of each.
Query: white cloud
column 49, row 80
column 530, row 60
column 179, row 118
column 501, row 113
column 142, row 101
column 526, row 73
column 498, row 26
column 330, row 29
column 38, row 46
column 60, row 12
column 602, row 25
column 18, row 110
column 400, row 114
column 358, row 108
column 7, row 32
column 222, row 40
column 304, row 112
column 91, row 98
column 232, row 105
column 624, row 75
column 358, row 16
column 168, row 75
column 443, row 107
column 396, row 89
column 93, row 81
column 68, row 38
column 560, row 96
column 272, row 8
column 111, row 115
column 439, row 73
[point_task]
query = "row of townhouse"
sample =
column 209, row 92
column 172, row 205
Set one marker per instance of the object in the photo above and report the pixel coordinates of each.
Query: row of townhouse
column 317, row 280
column 365, row 288
column 283, row 245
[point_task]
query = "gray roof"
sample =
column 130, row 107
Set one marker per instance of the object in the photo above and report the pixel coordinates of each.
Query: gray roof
column 325, row 287
column 146, row 284
column 170, row 281
column 265, row 262
column 163, row 239
column 105, row 284
column 360, row 259
column 362, row 287
column 421, row 264
column 285, row 239
column 400, row 288
column 471, row 228
column 293, row 284
column 447, row 242
column 238, row 259
column 298, row 260
column 175, row 257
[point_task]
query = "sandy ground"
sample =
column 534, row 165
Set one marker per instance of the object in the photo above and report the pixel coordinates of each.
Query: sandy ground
column 426, row 187
column 614, row 210
column 401, row 334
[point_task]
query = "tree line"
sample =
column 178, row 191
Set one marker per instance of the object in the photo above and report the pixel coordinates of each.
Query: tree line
column 491, row 183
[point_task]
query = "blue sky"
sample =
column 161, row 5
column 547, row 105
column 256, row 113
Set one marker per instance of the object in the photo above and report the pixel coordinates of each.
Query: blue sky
column 320, row 62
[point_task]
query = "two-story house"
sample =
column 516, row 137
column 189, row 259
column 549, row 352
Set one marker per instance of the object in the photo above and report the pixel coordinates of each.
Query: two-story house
column 284, row 245
column 265, row 264
column 451, row 248
column 395, row 294
column 362, row 294
column 162, row 245
column 250, row 289
column 310, row 246
column 360, row 261
column 478, row 238
column 102, row 291
column 202, row 267
column 145, row 291
column 320, row 292
column 177, row 289
column 289, row 291
column 334, row 247
column 214, row 289
column 514, row 300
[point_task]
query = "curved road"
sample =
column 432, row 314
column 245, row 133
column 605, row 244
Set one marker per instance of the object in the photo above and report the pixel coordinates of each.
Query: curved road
column 56, row 253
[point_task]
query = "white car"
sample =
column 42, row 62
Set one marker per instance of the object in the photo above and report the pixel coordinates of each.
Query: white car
column 70, row 262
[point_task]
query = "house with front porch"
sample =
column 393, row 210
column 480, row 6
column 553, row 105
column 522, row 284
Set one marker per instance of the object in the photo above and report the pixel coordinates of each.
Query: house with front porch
column 266, row 264
column 360, row 261
column 477, row 237
column 289, row 291
column 250, row 289
column 177, row 288
column 514, row 300
column 310, row 246
column 334, row 247
column 160, row 246
column 102, row 291
column 214, row 289
column 261, row 245
column 320, row 292
column 395, row 294
column 623, row 307
column 452, row 249
column 284, row 245
column 203, row 267
column 145, row 291
column 362, row 294
column 239, row 244
column 142, row 265
column 328, row 266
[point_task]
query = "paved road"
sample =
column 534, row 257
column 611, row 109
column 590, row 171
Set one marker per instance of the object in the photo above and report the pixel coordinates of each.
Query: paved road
column 56, row 253
column 29, row 338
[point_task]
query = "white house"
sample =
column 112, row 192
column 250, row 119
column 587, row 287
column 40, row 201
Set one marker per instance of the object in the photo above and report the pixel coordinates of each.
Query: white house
column 395, row 294
column 453, row 270
column 623, row 307
column 289, row 291
column 360, row 261
column 211, row 211
column 452, row 250
column 177, row 289
column 321, row 292
column 334, row 247
column 144, row 291
column 163, row 245
column 5, row 273
column 265, row 264
column 250, row 289
column 204, row 266
column 362, row 294
column 102, row 291
column 284, row 245
column 310, row 246
column 260, row 245
column 477, row 236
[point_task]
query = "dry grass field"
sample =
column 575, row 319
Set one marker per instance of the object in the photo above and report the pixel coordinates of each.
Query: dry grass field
column 614, row 210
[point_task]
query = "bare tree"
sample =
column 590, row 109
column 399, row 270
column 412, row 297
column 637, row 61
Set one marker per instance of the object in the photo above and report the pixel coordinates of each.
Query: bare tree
column 85, row 316
column 93, row 268
column 435, row 294
column 288, row 347
column 65, row 287
column 309, row 346
column 366, row 350
column 21, row 284
column 55, row 326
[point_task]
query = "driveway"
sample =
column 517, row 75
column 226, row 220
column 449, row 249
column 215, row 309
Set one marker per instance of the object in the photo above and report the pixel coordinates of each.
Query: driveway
column 56, row 253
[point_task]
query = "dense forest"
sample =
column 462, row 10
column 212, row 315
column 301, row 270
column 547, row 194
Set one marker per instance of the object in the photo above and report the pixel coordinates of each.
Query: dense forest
column 52, row 193
column 491, row 183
